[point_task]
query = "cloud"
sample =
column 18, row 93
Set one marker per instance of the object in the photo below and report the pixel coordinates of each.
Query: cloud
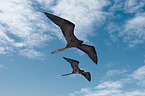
column 128, row 6
column 45, row 3
column 129, row 30
column 31, row 53
column 115, row 72
column 117, row 88
column 84, row 14
column 133, row 31
column 117, row 5
column 139, row 75
column 133, row 6
column 109, row 85
column 22, row 27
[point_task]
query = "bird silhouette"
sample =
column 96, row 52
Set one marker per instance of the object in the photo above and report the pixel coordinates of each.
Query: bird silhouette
column 67, row 28
column 77, row 70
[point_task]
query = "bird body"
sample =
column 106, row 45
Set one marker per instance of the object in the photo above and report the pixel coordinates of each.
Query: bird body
column 77, row 70
column 67, row 28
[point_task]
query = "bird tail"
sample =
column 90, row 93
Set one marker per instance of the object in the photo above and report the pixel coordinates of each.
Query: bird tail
column 66, row 74
column 61, row 49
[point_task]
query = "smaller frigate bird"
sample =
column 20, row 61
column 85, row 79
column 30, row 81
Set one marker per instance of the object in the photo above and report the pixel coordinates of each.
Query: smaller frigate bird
column 77, row 70
column 67, row 28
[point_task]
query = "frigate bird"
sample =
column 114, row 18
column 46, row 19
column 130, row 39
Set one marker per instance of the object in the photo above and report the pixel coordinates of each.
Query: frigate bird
column 77, row 70
column 67, row 28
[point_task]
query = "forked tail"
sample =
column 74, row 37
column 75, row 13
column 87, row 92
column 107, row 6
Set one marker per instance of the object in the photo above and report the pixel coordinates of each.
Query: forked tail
column 61, row 49
column 66, row 74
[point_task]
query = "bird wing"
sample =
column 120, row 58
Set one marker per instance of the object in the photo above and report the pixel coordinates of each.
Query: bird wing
column 90, row 50
column 66, row 26
column 74, row 64
column 87, row 75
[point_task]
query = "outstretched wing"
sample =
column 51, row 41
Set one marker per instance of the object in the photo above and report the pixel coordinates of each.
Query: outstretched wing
column 90, row 50
column 66, row 26
column 74, row 64
column 87, row 75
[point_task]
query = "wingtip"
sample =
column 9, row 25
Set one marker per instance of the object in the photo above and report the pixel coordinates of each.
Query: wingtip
column 44, row 12
column 95, row 61
column 89, row 79
column 51, row 53
column 64, row 58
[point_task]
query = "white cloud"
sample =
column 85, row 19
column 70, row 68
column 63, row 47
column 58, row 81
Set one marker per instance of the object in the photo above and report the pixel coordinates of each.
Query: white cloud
column 45, row 3
column 115, row 72
column 128, row 6
column 139, row 75
column 84, row 14
column 113, row 30
column 109, row 84
column 31, row 53
column 133, row 31
column 132, row 6
column 117, row 88
column 128, row 30
column 117, row 5
column 21, row 25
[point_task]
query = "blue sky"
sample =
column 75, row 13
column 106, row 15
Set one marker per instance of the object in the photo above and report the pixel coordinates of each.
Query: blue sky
column 27, row 37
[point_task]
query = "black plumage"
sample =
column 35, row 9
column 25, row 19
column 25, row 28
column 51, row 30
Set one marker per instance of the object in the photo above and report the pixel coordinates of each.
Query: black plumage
column 77, row 70
column 67, row 28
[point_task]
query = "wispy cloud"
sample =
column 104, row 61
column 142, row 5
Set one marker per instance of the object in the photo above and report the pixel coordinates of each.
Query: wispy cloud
column 132, row 6
column 139, row 75
column 23, row 26
column 117, row 88
column 117, row 5
column 133, row 32
column 83, row 13
column 115, row 72
column 129, row 30
column 109, row 85
column 32, row 54
column 128, row 6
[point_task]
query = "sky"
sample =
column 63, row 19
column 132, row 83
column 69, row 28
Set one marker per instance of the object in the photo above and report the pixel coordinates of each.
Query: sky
column 27, row 37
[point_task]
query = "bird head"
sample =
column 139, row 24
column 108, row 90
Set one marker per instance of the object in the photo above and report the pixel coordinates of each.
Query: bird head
column 82, row 71
column 84, row 42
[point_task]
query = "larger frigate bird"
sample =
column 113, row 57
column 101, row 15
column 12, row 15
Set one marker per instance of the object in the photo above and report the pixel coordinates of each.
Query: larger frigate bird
column 67, row 28
column 77, row 70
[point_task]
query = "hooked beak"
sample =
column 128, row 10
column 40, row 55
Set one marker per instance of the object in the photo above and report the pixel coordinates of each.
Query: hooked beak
column 85, row 42
column 84, row 72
